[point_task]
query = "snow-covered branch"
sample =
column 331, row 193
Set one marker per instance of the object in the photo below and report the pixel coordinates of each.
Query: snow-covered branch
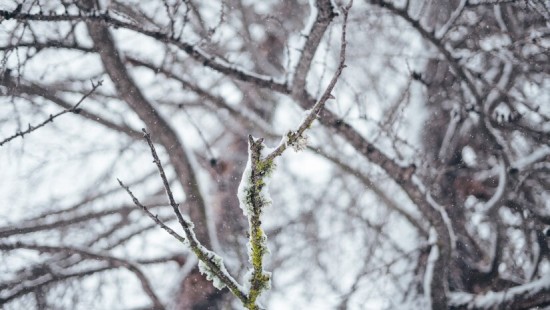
column 527, row 296
column 495, row 200
column 440, row 33
column 254, row 198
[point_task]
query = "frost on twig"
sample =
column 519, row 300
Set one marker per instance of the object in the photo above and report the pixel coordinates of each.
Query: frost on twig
column 254, row 198
column 297, row 141
column 210, row 274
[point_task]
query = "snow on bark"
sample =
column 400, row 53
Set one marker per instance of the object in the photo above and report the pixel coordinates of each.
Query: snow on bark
column 532, row 158
column 254, row 198
column 244, row 186
column 519, row 297
column 210, row 275
column 499, row 193
column 432, row 259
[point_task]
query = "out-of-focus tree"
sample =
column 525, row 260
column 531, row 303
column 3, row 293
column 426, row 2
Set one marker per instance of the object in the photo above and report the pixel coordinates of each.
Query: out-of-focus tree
column 424, row 183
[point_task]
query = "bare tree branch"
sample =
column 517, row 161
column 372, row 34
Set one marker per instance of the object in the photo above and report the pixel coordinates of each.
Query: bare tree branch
column 74, row 109
column 214, row 263
column 293, row 138
column 321, row 15
column 157, row 304
column 201, row 56
column 152, row 216
column 155, row 122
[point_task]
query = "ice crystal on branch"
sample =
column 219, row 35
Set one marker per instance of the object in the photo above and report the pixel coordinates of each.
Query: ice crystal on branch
column 254, row 198
column 207, row 271
column 297, row 142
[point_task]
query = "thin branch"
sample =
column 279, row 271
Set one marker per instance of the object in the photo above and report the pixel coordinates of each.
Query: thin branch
column 211, row 260
column 36, row 226
column 87, row 199
column 74, row 109
column 151, row 215
column 45, row 92
column 197, row 53
column 242, row 114
column 376, row 189
column 321, row 15
column 54, row 44
column 57, row 277
column 165, row 182
column 431, row 37
column 294, row 137
column 157, row 304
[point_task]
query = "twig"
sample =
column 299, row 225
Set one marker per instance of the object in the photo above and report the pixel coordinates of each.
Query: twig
column 375, row 188
column 255, row 202
column 217, row 103
column 439, row 34
column 37, row 224
column 45, row 91
column 74, row 109
column 252, row 197
column 459, row 71
column 115, row 261
column 195, row 52
column 56, row 277
column 213, row 263
column 293, row 137
column 156, row 160
column 200, row 133
column 151, row 215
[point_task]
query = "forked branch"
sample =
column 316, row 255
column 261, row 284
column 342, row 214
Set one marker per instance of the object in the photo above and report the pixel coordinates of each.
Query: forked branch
column 210, row 263
column 253, row 197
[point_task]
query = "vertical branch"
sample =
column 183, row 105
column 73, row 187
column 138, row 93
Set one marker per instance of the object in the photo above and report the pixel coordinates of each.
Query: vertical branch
column 254, row 199
column 295, row 139
column 165, row 182
column 321, row 15
column 253, row 194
